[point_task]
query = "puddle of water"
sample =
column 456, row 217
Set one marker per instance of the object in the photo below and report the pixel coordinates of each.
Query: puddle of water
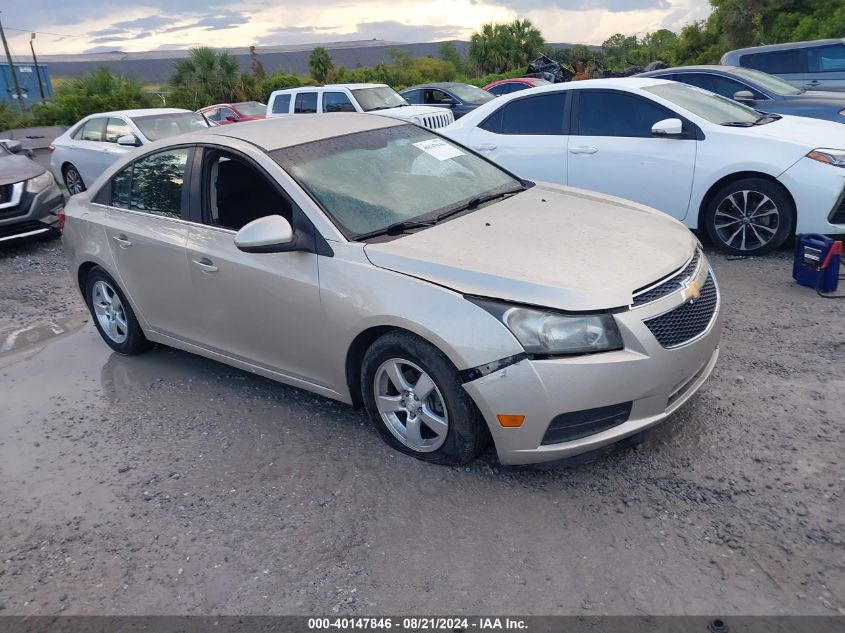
column 22, row 343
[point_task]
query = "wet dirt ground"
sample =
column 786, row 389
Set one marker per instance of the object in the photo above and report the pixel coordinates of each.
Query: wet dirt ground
column 170, row 484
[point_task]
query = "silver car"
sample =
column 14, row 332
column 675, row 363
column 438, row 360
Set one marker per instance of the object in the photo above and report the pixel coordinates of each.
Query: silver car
column 374, row 262
column 83, row 152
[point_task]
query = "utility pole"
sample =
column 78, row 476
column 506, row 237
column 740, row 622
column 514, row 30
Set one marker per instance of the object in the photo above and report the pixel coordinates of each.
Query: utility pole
column 12, row 69
column 35, row 61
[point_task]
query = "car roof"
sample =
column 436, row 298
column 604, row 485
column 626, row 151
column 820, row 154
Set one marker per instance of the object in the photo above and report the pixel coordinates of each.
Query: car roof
column 279, row 132
column 333, row 87
column 139, row 112
column 782, row 47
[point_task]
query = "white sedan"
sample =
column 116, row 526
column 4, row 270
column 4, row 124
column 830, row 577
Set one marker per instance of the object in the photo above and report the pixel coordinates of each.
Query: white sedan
column 84, row 151
column 750, row 179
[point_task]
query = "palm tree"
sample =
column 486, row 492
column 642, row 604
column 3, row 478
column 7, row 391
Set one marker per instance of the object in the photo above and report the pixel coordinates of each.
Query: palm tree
column 496, row 48
column 321, row 65
column 205, row 77
column 526, row 42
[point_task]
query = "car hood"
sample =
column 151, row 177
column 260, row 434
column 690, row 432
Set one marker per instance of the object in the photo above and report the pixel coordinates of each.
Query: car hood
column 818, row 96
column 803, row 131
column 550, row 246
column 15, row 168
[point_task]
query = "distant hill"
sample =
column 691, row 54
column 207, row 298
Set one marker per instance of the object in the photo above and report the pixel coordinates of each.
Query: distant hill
column 156, row 67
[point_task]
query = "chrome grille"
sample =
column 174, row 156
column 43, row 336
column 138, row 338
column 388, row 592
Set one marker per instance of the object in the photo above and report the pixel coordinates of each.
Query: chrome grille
column 436, row 121
column 5, row 193
column 687, row 321
column 673, row 283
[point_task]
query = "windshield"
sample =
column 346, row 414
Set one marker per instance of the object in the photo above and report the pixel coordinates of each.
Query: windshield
column 471, row 94
column 707, row 105
column 251, row 108
column 159, row 126
column 379, row 98
column 371, row 180
column 767, row 82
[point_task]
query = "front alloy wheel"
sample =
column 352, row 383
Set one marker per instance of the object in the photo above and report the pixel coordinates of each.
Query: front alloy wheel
column 749, row 216
column 410, row 405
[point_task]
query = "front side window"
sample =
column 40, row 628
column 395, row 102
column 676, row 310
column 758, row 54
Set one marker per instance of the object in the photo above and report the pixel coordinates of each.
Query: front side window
column 159, row 126
column 281, row 104
column 710, row 107
column 116, row 128
column 306, row 103
column 225, row 113
column 437, row 97
column 91, row 130
column 607, row 113
column 825, row 59
column 728, row 87
column 337, row 102
column 213, row 114
column 236, row 193
column 152, row 184
column 371, row 180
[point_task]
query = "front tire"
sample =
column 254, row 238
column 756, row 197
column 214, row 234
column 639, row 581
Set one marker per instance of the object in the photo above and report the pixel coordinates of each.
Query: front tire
column 749, row 216
column 416, row 400
column 73, row 180
column 112, row 314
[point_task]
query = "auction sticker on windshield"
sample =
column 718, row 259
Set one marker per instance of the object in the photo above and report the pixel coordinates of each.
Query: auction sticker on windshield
column 439, row 149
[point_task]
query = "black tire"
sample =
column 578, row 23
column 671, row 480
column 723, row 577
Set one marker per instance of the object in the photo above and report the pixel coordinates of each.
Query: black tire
column 732, row 210
column 73, row 180
column 135, row 342
column 467, row 435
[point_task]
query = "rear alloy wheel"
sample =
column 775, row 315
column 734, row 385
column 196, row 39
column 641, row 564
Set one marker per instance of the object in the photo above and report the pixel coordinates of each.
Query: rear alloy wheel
column 749, row 216
column 113, row 315
column 416, row 399
column 73, row 181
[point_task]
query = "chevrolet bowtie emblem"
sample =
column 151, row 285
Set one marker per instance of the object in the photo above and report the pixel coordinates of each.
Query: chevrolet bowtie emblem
column 693, row 291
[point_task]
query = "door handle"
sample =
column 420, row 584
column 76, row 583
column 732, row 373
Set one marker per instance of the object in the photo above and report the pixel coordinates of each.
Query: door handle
column 206, row 265
column 484, row 147
column 814, row 82
column 583, row 150
column 122, row 240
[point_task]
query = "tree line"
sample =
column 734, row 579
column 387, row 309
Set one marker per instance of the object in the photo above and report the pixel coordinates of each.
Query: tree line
column 495, row 51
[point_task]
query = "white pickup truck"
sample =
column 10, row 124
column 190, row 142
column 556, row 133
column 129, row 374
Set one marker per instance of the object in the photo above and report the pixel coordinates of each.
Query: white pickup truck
column 374, row 98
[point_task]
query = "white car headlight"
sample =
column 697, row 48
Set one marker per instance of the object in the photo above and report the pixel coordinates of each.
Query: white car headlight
column 39, row 183
column 551, row 333
column 834, row 157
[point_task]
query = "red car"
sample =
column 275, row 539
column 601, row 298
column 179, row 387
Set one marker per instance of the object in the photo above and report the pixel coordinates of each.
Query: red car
column 506, row 86
column 225, row 113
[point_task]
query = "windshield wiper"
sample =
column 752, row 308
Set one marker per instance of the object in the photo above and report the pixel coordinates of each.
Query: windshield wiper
column 767, row 118
column 404, row 225
column 739, row 124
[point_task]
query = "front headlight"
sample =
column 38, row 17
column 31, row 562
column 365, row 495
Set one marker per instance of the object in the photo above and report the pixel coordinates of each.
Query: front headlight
column 552, row 333
column 40, row 182
column 834, row 157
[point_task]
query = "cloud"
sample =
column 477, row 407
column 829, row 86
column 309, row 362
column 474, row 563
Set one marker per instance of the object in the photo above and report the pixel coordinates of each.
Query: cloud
column 384, row 30
column 613, row 6
column 221, row 20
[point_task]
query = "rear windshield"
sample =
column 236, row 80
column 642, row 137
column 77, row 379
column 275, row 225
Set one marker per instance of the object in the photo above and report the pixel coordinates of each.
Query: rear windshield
column 159, row 126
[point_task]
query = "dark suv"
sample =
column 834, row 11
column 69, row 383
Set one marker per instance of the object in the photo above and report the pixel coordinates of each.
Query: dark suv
column 31, row 204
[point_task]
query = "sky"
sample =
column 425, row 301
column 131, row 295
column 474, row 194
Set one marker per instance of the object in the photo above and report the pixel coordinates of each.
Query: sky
column 71, row 26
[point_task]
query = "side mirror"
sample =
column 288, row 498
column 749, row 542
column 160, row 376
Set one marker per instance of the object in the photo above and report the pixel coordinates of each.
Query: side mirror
column 129, row 140
column 231, row 117
column 744, row 96
column 270, row 234
column 668, row 128
column 13, row 146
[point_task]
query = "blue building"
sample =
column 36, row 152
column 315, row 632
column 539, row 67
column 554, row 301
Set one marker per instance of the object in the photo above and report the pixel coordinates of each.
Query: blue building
column 28, row 77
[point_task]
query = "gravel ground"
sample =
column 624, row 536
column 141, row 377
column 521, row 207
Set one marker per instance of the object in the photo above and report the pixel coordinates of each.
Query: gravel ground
column 167, row 483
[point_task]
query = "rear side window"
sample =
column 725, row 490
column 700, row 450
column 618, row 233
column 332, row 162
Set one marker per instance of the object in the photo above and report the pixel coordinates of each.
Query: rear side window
column 337, row 102
column 543, row 114
column 777, row 62
column 91, row 130
column 116, row 128
column 306, row 103
column 607, row 113
column 281, row 104
column 153, row 184
column 699, row 80
column 825, row 59
column 501, row 89
column 413, row 96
